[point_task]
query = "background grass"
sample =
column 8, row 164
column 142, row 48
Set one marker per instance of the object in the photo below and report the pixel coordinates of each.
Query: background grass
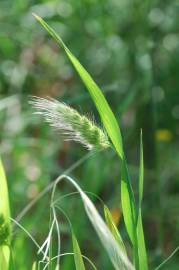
column 130, row 48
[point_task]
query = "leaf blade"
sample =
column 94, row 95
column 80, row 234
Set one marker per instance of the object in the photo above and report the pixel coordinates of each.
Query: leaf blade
column 143, row 265
column 128, row 203
column 77, row 254
column 115, row 232
column 141, row 172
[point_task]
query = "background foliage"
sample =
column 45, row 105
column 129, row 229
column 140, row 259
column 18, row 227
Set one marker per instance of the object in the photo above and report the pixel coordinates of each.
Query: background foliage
column 130, row 48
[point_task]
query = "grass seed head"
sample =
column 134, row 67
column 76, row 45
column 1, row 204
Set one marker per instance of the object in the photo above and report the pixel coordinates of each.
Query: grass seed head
column 72, row 125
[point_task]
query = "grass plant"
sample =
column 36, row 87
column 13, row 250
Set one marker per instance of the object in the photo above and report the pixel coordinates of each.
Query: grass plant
column 132, row 217
column 74, row 126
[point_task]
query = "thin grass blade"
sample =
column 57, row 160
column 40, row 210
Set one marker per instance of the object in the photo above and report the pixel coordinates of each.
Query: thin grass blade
column 77, row 254
column 140, row 233
column 129, row 210
column 128, row 204
column 167, row 259
column 141, row 172
column 112, row 227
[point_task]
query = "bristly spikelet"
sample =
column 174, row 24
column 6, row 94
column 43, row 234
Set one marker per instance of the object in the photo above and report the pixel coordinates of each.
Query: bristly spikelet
column 72, row 125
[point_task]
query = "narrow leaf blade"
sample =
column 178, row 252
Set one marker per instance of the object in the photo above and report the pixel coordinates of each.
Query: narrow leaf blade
column 141, row 244
column 140, row 233
column 127, row 200
column 115, row 232
column 77, row 254
column 141, row 172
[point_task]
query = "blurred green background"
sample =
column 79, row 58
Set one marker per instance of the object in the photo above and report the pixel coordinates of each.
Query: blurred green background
column 131, row 49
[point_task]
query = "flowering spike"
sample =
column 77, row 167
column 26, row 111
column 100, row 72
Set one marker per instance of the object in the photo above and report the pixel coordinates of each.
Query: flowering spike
column 72, row 125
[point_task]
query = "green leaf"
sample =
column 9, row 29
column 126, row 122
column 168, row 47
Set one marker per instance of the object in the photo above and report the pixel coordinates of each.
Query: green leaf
column 105, row 112
column 115, row 232
column 141, row 244
column 5, row 221
column 140, row 233
column 141, row 172
column 129, row 210
column 127, row 200
column 77, row 254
